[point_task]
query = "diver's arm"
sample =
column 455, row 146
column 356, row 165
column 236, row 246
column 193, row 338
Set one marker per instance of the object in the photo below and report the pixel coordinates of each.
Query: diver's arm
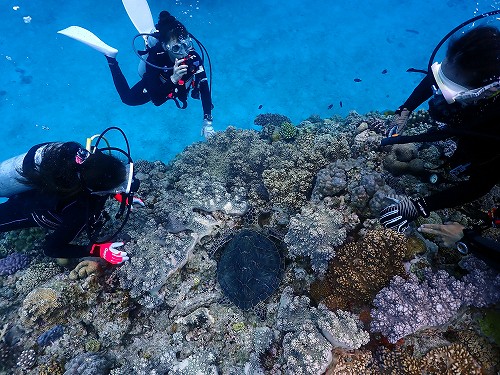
column 205, row 94
column 484, row 248
column 73, row 221
column 420, row 94
column 460, row 194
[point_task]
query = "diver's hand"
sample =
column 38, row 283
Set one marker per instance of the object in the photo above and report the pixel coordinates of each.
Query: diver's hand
column 398, row 122
column 207, row 130
column 399, row 215
column 179, row 70
column 108, row 251
column 448, row 233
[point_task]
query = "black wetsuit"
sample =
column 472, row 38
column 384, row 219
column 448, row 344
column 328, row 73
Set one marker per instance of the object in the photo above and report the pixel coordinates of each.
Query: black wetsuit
column 482, row 247
column 478, row 152
column 67, row 218
column 156, row 86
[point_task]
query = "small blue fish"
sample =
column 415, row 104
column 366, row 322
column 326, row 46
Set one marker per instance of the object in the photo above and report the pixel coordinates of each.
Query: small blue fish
column 357, row 80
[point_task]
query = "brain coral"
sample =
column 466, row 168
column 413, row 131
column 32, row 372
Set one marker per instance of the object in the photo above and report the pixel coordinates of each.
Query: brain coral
column 360, row 270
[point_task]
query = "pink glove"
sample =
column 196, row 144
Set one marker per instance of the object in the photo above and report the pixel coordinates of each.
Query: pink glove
column 138, row 201
column 108, row 251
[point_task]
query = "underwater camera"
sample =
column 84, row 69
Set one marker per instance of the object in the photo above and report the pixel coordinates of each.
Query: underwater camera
column 192, row 62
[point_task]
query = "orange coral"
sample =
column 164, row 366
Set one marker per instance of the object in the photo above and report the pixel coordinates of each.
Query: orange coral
column 360, row 270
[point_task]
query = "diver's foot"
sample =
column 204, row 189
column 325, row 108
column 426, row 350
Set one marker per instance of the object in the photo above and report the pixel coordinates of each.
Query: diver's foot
column 111, row 53
column 208, row 131
column 111, row 60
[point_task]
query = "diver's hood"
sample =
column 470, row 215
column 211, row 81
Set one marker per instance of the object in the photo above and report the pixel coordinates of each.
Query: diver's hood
column 453, row 91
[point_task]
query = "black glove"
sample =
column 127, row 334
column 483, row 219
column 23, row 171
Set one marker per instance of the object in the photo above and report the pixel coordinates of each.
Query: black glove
column 399, row 215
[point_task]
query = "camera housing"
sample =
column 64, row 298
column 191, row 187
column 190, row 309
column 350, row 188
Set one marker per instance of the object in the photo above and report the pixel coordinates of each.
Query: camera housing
column 193, row 63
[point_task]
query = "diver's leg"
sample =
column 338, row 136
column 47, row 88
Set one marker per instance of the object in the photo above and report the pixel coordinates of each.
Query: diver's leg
column 16, row 213
column 130, row 96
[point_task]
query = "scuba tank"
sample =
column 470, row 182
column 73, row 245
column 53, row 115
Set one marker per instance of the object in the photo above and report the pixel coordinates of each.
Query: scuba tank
column 11, row 181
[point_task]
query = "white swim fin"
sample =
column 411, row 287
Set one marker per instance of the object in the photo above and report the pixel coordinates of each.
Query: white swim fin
column 140, row 15
column 87, row 37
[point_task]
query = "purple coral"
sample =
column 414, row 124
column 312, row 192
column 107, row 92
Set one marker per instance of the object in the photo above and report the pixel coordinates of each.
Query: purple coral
column 50, row 336
column 13, row 263
column 406, row 306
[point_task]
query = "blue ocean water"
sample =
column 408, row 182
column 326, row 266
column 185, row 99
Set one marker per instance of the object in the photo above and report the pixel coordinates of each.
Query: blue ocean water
column 295, row 58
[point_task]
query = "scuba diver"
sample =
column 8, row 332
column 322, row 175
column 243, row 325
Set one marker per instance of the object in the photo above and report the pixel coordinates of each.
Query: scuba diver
column 170, row 68
column 63, row 186
column 465, row 104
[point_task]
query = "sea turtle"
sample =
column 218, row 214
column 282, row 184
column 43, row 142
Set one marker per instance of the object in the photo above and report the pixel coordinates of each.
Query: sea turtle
column 250, row 267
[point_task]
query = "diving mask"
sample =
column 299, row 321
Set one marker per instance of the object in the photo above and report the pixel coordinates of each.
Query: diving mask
column 181, row 48
column 453, row 92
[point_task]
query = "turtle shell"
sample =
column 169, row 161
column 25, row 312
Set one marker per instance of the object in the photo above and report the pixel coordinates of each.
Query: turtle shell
column 250, row 268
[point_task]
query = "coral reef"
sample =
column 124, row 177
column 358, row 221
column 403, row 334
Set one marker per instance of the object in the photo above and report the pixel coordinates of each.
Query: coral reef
column 13, row 263
column 88, row 364
column 287, row 131
column 50, row 336
column 306, row 351
column 315, row 232
column 403, row 159
column 313, row 333
column 85, row 268
column 319, row 186
column 360, row 270
column 36, row 275
column 451, row 359
column 270, row 123
column 27, row 359
column 406, row 306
